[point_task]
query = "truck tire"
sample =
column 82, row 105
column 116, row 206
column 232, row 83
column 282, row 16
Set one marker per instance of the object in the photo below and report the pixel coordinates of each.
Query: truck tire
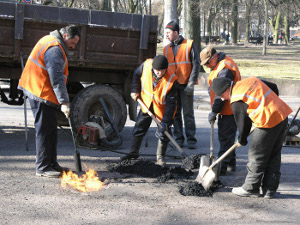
column 86, row 103
column 73, row 88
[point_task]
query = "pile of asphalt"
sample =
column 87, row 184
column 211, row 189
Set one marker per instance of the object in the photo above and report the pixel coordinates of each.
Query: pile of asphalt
column 196, row 189
column 192, row 161
column 147, row 168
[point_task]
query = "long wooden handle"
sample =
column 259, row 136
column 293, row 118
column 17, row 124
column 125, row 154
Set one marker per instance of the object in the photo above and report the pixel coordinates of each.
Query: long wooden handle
column 227, row 152
column 211, row 150
column 159, row 125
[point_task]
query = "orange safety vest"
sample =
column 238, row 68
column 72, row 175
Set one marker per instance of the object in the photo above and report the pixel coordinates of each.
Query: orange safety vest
column 265, row 108
column 35, row 78
column 159, row 93
column 181, row 64
column 227, row 63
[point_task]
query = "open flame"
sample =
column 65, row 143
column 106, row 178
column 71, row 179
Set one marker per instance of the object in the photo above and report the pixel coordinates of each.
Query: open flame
column 85, row 183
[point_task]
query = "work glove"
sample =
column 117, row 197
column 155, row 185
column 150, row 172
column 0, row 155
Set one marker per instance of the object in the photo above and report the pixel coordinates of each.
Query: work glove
column 212, row 117
column 135, row 96
column 65, row 108
column 238, row 144
column 160, row 131
column 189, row 89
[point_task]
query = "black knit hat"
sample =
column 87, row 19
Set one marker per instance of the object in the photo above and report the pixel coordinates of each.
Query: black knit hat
column 220, row 85
column 160, row 62
column 173, row 25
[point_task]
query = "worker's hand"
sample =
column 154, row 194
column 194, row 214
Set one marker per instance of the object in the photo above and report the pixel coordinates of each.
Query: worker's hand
column 135, row 96
column 65, row 108
column 189, row 89
column 212, row 117
column 160, row 131
column 238, row 144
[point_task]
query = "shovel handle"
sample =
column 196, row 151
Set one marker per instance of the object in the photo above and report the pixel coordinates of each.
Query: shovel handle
column 227, row 152
column 159, row 125
column 211, row 150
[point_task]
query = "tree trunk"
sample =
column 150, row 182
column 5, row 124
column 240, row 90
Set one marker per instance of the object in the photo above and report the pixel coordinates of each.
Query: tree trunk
column 170, row 14
column 286, row 29
column 287, row 23
column 234, row 22
column 113, row 4
column 277, row 26
column 247, row 18
column 196, row 24
column 264, row 52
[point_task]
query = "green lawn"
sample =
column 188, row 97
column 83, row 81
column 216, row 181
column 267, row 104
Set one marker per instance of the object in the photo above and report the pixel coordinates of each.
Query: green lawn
column 281, row 62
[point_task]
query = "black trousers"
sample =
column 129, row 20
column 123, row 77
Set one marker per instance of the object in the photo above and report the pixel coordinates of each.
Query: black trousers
column 185, row 107
column 142, row 125
column 45, row 123
column 226, row 132
column 265, row 158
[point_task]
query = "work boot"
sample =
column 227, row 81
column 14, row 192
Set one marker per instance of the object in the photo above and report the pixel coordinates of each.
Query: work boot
column 268, row 194
column 134, row 150
column 48, row 172
column 59, row 168
column 161, row 152
column 240, row 191
column 223, row 169
column 232, row 165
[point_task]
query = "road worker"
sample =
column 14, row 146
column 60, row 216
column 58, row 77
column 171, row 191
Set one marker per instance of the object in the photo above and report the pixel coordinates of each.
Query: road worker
column 222, row 65
column 254, row 102
column 183, row 58
column 156, row 85
column 44, row 82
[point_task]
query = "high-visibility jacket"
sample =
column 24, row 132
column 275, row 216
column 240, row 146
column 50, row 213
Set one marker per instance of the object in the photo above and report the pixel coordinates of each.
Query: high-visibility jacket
column 156, row 95
column 35, row 78
column 226, row 63
column 265, row 108
column 181, row 64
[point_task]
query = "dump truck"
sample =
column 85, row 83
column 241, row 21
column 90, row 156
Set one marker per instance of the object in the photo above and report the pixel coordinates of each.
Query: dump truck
column 111, row 47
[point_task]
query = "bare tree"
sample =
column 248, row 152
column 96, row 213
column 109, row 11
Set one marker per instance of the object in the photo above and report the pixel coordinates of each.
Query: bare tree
column 234, row 22
column 265, row 28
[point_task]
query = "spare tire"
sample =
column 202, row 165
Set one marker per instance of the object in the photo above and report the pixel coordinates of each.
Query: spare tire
column 86, row 103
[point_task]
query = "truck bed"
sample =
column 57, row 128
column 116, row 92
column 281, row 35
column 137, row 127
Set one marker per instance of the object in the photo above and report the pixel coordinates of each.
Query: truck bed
column 110, row 42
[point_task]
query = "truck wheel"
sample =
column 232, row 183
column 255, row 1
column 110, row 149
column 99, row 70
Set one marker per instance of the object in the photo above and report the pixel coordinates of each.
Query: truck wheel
column 86, row 103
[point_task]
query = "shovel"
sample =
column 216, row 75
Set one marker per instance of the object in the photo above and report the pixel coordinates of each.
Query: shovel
column 159, row 125
column 208, row 160
column 207, row 175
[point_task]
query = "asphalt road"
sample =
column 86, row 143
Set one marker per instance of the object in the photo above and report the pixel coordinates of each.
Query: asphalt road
column 129, row 199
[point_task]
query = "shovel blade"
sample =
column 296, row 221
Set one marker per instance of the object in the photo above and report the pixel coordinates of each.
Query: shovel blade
column 208, row 179
column 204, row 164
column 216, row 170
column 202, row 171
